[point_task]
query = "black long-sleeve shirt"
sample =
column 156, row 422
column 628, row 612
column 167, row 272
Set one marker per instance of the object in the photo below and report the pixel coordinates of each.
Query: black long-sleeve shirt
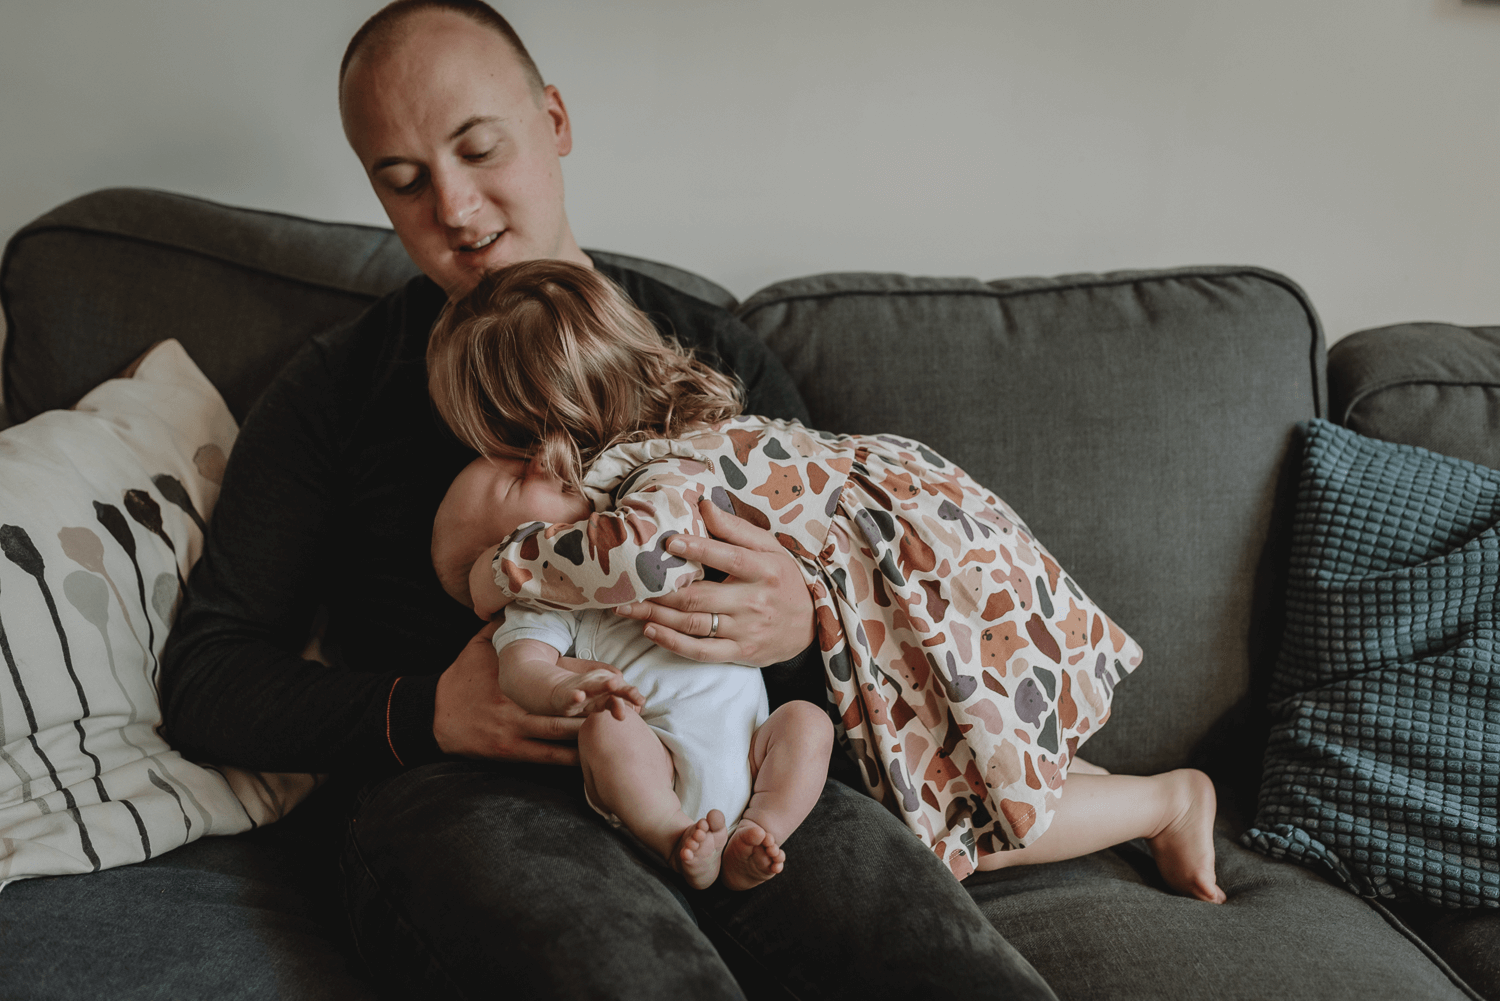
column 328, row 502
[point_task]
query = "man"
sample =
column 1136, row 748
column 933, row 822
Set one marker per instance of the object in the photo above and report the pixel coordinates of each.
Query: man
column 471, row 866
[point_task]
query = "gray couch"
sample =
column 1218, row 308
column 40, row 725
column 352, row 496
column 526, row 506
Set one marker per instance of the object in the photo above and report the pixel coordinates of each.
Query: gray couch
column 1142, row 422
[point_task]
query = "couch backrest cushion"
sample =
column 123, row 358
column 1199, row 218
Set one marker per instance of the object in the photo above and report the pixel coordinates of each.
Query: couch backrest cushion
column 93, row 283
column 1138, row 421
column 1430, row 384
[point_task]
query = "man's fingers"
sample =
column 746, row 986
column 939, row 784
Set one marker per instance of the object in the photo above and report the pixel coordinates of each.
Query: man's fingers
column 550, row 727
column 735, row 530
column 720, row 650
column 689, row 623
column 736, row 561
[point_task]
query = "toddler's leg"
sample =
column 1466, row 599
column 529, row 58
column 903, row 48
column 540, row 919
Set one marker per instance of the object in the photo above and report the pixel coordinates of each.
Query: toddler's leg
column 1174, row 811
column 628, row 772
column 789, row 758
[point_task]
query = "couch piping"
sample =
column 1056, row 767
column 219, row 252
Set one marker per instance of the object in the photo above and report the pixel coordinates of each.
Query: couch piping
column 1425, row 949
column 179, row 248
column 1343, row 419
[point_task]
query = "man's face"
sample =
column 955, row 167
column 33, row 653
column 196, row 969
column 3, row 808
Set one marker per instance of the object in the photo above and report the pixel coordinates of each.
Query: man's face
column 461, row 151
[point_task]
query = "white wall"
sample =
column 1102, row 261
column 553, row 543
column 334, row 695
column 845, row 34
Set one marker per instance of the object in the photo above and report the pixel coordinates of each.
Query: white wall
column 1352, row 144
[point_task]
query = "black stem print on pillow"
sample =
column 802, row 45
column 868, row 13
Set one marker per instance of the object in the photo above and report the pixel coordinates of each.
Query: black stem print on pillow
column 18, row 548
column 172, row 489
column 16, row 766
column 147, row 514
column 187, row 790
column 114, row 523
column 140, row 826
column 166, row 787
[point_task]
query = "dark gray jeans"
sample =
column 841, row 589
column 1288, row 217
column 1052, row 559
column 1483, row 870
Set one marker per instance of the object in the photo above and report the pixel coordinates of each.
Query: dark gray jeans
column 468, row 880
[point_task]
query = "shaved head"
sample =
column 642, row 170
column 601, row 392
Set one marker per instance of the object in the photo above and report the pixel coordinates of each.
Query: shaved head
column 388, row 27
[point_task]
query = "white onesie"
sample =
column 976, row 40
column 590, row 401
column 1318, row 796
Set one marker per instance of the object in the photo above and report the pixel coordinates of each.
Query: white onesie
column 705, row 714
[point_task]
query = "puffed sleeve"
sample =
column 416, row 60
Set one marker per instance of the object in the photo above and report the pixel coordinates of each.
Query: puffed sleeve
column 618, row 555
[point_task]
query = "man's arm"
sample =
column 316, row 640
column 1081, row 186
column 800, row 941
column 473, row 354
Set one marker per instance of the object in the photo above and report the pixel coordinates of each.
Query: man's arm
column 233, row 688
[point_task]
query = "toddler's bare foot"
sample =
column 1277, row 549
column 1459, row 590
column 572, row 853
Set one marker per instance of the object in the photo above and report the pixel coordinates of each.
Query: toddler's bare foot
column 1184, row 849
column 697, row 853
column 751, row 857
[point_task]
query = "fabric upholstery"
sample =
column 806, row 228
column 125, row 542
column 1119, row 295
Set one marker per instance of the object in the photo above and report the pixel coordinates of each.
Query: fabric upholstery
column 1104, row 926
column 240, row 289
column 1429, row 384
column 1383, row 768
column 241, row 918
column 1136, row 421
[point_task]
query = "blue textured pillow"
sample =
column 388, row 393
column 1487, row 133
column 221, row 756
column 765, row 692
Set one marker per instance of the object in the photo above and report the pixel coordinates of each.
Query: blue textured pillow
column 1383, row 767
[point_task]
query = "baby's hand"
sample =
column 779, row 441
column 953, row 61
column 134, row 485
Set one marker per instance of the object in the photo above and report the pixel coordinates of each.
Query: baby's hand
column 595, row 691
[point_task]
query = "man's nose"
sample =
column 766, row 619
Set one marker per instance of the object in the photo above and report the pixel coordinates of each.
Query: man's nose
column 457, row 201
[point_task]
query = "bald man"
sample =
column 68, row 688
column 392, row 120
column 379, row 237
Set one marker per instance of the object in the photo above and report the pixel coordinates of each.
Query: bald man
column 472, row 864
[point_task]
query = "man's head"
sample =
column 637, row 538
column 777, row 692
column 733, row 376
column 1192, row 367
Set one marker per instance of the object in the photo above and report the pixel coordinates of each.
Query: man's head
column 486, row 502
column 459, row 138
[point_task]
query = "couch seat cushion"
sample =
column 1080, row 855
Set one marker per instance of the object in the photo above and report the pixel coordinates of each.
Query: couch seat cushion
column 1103, row 926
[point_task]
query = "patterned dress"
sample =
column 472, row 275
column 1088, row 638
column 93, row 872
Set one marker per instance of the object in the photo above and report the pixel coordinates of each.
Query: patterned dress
column 965, row 666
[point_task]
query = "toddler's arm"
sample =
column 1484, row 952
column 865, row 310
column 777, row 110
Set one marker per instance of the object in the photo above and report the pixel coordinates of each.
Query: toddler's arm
column 531, row 677
column 615, row 557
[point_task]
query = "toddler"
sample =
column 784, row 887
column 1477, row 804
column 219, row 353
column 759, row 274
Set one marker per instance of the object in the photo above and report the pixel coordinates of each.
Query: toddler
column 965, row 666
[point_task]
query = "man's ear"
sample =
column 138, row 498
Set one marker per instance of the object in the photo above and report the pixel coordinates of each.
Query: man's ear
column 562, row 128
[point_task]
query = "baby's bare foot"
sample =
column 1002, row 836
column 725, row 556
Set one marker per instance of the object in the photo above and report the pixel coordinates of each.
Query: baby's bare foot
column 1184, row 850
column 697, row 856
column 751, row 857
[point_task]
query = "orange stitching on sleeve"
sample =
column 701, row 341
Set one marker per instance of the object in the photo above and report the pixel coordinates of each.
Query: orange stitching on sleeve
column 388, row 742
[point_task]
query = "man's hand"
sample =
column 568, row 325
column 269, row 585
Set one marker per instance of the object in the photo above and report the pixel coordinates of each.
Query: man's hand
column 765, row 613
column 473, row 719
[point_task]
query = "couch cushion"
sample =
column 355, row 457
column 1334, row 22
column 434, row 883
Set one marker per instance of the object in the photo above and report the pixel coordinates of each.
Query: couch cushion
column 1104, row 926
column 1429, row 384
column 240, row 289
column 1153, row 483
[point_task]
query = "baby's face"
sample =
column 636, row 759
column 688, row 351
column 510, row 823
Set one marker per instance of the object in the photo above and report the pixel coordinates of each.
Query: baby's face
column 486, row 502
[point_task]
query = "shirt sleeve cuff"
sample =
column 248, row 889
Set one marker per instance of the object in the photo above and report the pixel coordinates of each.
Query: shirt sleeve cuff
column 408, row 720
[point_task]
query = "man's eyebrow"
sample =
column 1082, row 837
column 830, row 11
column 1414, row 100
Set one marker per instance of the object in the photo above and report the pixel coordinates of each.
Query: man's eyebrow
column 477, row 120
column 471, row 123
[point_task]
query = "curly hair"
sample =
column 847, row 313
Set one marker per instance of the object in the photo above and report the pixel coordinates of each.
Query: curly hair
column 551, row 362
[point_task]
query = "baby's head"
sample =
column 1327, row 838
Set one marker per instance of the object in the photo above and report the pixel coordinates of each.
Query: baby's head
column 486, row 502
column 549, row 361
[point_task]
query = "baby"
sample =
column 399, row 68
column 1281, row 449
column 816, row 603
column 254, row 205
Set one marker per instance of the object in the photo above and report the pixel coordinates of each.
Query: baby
column 674, row 750
column 965, row 665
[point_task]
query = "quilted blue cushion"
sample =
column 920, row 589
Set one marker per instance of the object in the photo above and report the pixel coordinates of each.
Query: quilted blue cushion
column 1383, row 767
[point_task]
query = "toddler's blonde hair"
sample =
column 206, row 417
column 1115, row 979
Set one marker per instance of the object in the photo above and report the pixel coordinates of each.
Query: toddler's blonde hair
column 549, row 361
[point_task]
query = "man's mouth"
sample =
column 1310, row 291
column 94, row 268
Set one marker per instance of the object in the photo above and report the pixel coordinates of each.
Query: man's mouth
column 477, row 245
